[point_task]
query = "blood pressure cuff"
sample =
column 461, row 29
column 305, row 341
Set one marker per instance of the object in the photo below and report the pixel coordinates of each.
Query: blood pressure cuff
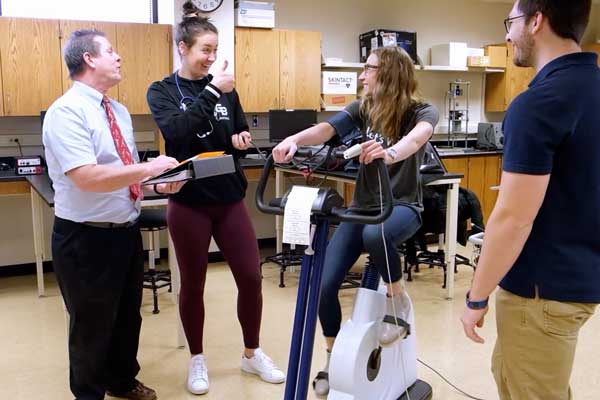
column 344, row 125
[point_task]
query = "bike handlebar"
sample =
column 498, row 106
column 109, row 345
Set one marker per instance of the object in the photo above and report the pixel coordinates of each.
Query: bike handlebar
column 337, row 213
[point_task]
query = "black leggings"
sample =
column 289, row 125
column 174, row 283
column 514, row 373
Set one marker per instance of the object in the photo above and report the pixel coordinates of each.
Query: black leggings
column 191, row 229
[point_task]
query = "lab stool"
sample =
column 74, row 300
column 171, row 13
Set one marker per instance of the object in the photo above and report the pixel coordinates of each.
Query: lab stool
column 152, row 221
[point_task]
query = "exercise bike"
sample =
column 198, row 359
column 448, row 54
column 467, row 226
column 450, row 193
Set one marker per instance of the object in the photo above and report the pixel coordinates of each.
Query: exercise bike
column 360, row 368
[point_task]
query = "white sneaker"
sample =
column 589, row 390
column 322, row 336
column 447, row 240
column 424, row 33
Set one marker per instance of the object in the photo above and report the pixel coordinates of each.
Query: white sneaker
column 390, row 332
column 262, row 366
column 197, row 382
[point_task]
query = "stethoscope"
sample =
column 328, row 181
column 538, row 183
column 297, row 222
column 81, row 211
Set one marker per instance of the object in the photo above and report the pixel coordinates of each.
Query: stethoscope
column 183, row 106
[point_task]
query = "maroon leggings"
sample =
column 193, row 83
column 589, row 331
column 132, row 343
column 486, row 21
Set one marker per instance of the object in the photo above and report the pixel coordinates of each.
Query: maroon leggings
column 231, row 227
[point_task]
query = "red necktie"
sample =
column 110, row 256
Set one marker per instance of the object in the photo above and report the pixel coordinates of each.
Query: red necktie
column 135, row 190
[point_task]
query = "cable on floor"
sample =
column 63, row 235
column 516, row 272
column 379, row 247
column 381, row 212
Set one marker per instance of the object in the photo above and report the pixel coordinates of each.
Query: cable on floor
column 450, row 383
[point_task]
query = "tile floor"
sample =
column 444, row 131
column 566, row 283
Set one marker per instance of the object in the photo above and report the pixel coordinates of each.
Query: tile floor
column 33, row 340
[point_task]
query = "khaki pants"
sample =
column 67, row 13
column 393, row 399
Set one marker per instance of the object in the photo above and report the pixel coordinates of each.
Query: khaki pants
column 535, row 348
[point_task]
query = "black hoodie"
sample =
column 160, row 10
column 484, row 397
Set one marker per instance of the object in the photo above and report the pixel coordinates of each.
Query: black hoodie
column 207, row 123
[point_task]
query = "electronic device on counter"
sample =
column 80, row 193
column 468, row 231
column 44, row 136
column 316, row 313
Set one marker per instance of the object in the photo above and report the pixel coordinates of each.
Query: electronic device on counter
column 28, row 165
column 490, row 136
column 284, row 123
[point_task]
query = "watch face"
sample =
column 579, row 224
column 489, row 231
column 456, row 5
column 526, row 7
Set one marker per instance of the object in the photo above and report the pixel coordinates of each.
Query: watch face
column 207, row 5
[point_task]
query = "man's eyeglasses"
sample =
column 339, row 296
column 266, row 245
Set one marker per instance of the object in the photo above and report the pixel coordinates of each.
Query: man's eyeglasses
column 508, row 22
column 369, row 67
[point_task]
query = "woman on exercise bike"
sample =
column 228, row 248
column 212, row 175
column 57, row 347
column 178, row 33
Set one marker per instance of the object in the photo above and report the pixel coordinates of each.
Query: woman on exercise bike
column 396, row 123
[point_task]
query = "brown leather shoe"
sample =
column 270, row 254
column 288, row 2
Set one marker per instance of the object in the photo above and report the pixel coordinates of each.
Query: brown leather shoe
column 139, row 392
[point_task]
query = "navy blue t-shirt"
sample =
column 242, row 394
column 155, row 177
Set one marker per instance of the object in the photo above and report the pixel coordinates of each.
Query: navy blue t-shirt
column 554, row 128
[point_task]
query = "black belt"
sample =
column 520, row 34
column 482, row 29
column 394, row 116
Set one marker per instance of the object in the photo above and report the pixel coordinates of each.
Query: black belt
column 111, row 225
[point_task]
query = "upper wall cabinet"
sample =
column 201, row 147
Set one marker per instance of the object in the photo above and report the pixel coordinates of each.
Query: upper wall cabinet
column 277, row 69
column 34, row 74
column 146, row 56
column 299, row 69
column 68, row 27
column 1, row 92
column 501, row 89
column 257, row 68
column 31, row 64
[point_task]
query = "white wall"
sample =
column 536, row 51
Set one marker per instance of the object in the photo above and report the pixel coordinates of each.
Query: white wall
column 435, row 21
column 476, row 22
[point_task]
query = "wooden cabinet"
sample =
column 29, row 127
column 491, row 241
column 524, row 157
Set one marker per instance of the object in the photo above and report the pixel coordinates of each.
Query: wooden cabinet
column 299, row 69
column 257, row 68
column 277, row 69
column 458, row 165
column 31, row 65
column 67, row 27
column 146, row 55
column 502, row 88
column 480, row 174
column 492, row 175
column 1, row 91
column 14, row 187
column 33, row 73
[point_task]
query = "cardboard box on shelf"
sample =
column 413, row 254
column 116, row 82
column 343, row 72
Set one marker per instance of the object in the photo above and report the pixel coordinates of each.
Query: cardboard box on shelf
column 497, row 55
column 339, row 82
column 453, row 54
column 478, row 61
column 475, row 51
column 338, row 100
column 257, row 14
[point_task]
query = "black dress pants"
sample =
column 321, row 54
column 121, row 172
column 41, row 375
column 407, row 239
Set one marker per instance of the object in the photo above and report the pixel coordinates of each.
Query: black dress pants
column 100, row 274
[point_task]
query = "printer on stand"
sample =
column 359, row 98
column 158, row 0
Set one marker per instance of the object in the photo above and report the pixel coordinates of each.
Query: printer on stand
column 490, row 136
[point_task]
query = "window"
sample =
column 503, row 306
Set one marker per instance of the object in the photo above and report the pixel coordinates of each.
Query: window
column 100, row 10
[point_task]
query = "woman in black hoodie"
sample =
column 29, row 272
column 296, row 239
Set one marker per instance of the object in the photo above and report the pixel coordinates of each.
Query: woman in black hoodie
column 199, row 112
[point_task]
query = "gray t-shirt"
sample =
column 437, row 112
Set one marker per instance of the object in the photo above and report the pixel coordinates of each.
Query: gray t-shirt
column 405, row 178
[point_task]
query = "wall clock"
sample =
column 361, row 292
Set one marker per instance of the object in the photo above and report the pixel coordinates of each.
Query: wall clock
column 207, row 6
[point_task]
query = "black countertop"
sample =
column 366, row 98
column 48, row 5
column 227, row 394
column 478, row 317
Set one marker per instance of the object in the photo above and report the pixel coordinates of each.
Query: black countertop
column 455, row 153
column 43, row 185
column 9, row 176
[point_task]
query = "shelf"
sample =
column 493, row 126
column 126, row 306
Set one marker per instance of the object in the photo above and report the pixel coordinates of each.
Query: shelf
column 438, row 68
column 446, row 68
column 334, row 108
column 442, row 68
column 352, row 65
column 487, row 70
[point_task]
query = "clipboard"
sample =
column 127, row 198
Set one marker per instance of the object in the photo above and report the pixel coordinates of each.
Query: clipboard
column 200, row 166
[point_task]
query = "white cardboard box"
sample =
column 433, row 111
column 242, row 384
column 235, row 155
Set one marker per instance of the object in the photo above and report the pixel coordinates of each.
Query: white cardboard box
column 339, row 82
column 453, row 54
column 257, row 14
column 475, row 51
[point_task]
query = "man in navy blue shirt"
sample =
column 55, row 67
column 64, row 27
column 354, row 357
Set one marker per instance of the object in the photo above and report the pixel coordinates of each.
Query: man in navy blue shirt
column 542, row 242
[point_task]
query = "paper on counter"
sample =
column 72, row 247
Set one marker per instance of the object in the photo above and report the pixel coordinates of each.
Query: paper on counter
column 296, row 216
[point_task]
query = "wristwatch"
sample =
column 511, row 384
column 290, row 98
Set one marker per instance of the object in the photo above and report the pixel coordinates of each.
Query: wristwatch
column 476, row 305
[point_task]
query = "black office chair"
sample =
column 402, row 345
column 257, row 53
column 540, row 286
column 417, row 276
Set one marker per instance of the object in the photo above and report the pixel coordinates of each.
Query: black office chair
column 152, row 221
column 434, row 217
